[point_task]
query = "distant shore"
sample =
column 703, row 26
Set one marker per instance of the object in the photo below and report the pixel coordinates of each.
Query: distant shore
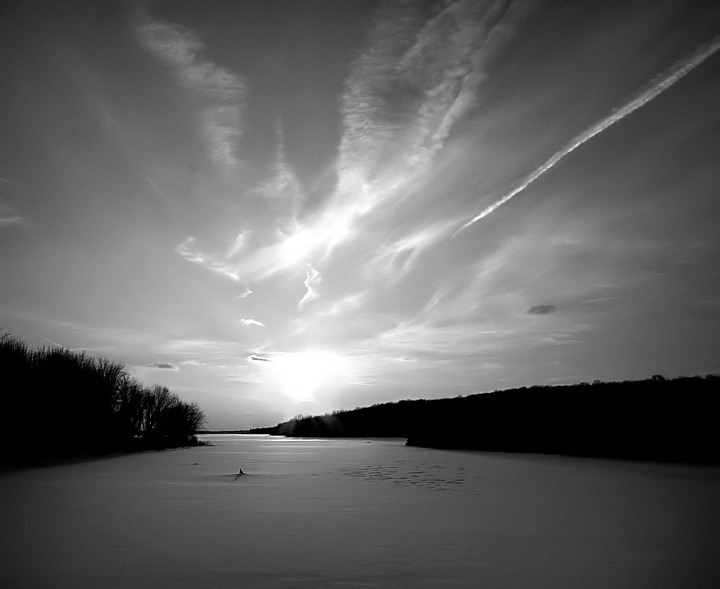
column 657, row 419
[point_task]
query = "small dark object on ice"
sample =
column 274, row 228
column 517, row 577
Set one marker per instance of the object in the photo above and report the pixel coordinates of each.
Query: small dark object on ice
column 240, row 472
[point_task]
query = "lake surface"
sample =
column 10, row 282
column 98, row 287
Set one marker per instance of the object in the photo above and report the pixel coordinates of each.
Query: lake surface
column 358, row 513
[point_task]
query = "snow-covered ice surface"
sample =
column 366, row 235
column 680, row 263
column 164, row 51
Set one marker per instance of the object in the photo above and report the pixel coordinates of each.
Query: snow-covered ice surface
column 358, row 513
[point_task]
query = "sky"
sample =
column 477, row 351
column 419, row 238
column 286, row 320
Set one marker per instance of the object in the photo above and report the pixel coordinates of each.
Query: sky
column 275, row 208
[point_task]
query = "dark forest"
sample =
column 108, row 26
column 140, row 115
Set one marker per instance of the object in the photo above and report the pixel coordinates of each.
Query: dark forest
column 655, row 419
column 62, row 404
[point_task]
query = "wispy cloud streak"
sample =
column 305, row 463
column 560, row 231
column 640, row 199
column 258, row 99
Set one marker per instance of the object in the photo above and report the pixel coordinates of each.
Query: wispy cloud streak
column 399, row 257
column 249, row 322
column 419, row 74
column 11, row 220
column 673, row 75
column 221, row 91
column 189, row 250
column 10, row 216
column 313, row 278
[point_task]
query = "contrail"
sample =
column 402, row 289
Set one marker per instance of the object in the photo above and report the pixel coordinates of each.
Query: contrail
column 674, row 74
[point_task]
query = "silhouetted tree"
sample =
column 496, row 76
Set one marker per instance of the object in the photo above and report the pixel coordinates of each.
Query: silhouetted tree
column 61, row 403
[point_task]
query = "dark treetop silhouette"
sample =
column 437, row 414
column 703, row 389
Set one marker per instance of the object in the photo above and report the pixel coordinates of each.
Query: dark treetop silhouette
column 60, row 404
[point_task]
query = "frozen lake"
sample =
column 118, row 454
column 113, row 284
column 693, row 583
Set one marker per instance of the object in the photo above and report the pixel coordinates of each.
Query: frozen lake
column 358, row 513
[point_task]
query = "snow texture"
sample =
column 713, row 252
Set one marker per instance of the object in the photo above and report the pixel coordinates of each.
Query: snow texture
column 358, row 513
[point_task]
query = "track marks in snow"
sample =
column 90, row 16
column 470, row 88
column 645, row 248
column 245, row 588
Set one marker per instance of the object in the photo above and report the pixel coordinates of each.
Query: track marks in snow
column 430, row 476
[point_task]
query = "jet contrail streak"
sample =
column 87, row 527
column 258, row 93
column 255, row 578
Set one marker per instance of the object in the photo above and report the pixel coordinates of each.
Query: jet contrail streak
column 678, row 71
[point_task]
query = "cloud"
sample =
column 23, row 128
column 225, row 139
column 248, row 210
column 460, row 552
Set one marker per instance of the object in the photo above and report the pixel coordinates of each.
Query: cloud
column 207, row 348
column 192, row 363
column 248, row 322
column 165, row 366
column 189, row 250
column 667, row 79
column 541, row 310
column 283, row 183
column 418, row 76
column 237, row 245
column 346, row 304
column 57, row 345
column 290, row 249
column 258, row 264
column 313, row 278
column 398, row 257
column 10, row 216
column 246, row 293
column 220, row 127
column 8, row 221
column 221, row 92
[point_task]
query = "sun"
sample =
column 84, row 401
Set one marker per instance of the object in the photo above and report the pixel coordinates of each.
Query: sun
column 302, row 374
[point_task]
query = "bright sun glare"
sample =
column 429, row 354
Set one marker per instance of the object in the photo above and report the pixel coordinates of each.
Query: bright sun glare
column 301, row 374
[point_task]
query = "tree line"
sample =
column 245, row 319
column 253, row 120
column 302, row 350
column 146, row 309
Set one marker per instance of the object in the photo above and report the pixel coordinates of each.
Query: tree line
column 653, row 419
column 58, row 403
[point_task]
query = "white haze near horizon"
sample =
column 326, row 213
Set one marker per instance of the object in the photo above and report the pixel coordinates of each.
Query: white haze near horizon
column 277, row 207
column 358, row 513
